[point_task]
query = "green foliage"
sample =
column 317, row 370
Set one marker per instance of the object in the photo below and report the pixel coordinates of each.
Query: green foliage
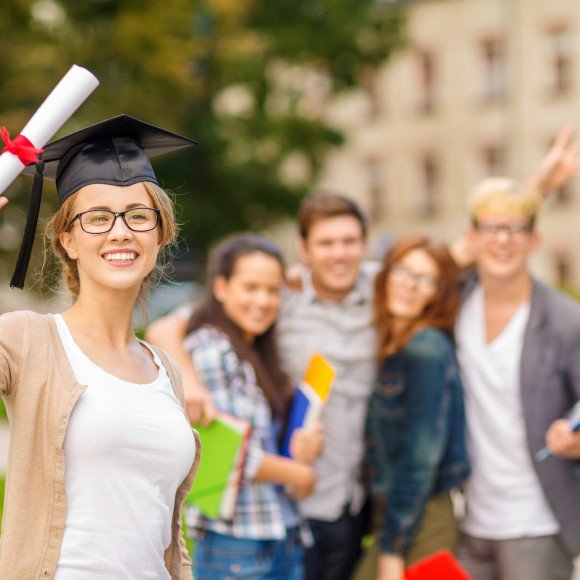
column 342, row 36
column 181, row 64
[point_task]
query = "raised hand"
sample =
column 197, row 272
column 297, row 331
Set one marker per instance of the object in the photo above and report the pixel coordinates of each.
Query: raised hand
column 560, row 164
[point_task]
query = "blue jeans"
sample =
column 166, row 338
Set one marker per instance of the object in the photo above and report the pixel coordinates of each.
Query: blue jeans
column 220, row 557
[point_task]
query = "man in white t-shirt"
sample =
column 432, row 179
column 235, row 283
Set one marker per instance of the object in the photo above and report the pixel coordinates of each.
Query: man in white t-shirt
column 519, row 350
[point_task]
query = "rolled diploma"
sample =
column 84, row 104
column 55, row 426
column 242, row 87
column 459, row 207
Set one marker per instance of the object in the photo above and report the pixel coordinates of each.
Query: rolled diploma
column 72, row 90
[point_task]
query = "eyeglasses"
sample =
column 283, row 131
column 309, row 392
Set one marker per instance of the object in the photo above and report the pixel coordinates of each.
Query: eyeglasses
column 101, row 221
column 426, row 283
column 516, row 230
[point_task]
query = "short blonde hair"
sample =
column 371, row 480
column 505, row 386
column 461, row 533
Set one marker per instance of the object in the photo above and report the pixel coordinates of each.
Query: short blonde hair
column 501, row 195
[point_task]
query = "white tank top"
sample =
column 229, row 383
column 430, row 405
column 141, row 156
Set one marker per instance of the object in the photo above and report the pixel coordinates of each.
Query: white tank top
column 127, row 449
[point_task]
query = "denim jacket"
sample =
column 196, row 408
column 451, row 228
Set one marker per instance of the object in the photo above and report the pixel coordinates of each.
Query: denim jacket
column 414, row 434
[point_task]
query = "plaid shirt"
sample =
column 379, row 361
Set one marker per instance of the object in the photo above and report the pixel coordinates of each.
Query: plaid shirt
column 234, row 389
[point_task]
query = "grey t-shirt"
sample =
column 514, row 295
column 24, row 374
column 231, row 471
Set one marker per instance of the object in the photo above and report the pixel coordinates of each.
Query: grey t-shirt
column 343, row 333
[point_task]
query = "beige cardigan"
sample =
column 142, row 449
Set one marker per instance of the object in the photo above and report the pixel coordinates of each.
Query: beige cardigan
column 40, row 391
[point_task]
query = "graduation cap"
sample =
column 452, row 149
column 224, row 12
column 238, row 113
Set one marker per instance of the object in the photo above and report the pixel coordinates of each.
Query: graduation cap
column 114, row 152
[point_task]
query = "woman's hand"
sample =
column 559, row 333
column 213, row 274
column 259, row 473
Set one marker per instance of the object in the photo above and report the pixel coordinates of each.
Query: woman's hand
column 391, row 567
column 306, row 444
column 3, row 201
column 198, row 402
column 297, row 478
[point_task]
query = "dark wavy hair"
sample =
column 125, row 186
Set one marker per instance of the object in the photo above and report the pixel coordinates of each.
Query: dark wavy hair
column 262, row 354
column 440, row 313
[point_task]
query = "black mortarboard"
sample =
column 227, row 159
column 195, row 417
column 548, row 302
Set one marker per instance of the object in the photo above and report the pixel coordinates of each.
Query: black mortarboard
column 114, row 152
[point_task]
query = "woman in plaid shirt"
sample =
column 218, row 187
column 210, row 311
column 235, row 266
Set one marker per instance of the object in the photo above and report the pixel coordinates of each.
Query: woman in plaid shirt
column 231, row 341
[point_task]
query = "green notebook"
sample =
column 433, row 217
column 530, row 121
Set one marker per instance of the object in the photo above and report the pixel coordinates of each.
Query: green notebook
column 223, row 453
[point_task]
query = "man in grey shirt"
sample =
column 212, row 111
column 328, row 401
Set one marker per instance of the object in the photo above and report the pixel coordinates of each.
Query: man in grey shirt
column 332, row 315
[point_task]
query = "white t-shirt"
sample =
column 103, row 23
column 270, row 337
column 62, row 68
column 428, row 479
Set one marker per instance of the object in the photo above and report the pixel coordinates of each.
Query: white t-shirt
column 504, row 498
column 127, row 449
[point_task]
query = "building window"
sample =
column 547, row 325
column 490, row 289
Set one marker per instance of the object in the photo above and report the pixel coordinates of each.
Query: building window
column 561, row 60
column 375, row 177
column 429, row 200
column 494, row 73
column 427, row 81
column 493, row 160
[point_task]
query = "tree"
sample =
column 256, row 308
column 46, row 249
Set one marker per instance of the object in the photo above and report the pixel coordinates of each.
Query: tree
column 248, row 79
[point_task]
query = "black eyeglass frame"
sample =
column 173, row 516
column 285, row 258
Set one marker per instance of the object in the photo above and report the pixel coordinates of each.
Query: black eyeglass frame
column 115, row 214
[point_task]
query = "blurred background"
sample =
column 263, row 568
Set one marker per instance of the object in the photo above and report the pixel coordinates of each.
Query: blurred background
column 402, row 105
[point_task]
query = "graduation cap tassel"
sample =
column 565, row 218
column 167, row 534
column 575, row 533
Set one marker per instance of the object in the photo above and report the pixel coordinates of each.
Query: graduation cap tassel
column 21, row 267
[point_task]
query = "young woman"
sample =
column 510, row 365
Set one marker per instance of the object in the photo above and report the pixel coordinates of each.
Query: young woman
column 101, row 453
column 415, row 426
column 232, row 344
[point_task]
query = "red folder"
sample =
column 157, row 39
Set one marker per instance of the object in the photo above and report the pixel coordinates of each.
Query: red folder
column 441, row 565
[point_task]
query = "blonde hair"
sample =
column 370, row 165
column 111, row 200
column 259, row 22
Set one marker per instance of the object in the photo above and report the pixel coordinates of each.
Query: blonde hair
column 168, row 231
column 500, row 195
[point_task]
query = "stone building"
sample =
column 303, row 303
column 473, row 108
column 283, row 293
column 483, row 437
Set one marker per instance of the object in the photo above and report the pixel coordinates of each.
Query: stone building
column 482, row 88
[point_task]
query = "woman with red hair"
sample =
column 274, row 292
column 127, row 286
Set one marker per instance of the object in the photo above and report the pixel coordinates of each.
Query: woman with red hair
column 415, row 427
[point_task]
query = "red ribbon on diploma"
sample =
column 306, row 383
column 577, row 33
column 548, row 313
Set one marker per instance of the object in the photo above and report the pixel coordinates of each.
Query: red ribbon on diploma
column 20, row 146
